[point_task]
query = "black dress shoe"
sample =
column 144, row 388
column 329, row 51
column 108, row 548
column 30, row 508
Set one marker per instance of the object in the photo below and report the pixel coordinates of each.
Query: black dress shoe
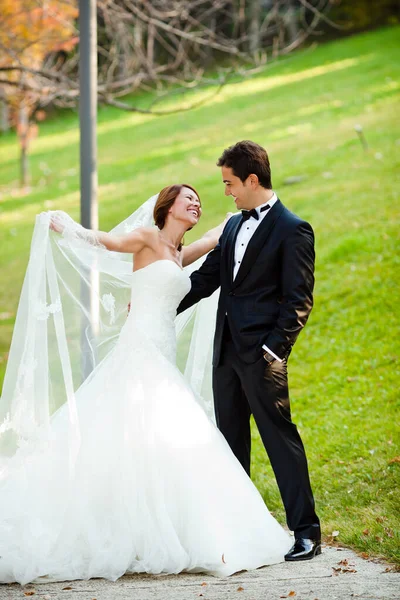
column 304, row 549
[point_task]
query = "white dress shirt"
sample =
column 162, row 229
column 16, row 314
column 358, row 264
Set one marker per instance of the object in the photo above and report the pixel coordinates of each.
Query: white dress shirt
column 243, row 238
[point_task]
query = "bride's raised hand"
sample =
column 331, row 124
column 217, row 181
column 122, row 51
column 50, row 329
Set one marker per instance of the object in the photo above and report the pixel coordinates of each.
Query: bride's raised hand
column 59, row 220
column 216, row 232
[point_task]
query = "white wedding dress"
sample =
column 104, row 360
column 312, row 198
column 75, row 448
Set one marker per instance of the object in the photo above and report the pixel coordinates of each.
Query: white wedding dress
column 155, row 486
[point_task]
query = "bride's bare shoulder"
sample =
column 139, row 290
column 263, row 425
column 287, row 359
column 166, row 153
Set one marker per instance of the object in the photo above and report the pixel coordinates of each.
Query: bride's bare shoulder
column 147, row 233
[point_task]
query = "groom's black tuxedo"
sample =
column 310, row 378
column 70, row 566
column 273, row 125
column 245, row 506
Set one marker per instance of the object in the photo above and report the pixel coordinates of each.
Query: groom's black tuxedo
column 267, row 303
column 271, row 297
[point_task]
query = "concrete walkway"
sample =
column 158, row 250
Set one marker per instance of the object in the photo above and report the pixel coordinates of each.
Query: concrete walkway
column 338, row 574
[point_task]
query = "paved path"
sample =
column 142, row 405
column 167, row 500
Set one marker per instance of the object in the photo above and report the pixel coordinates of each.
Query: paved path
column 338, row 574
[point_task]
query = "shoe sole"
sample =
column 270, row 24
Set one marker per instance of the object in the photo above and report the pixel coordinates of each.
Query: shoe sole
column 316, row 553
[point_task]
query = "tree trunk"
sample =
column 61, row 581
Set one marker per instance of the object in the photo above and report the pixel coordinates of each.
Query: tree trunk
column 138, row 36
column 292, row 22
column 24, row 166
column 150, row 47
column 4, row 115
column 254, row 26
column 23, row 134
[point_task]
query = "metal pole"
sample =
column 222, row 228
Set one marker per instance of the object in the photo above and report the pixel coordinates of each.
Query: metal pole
column 88, row 111
column 88, row 172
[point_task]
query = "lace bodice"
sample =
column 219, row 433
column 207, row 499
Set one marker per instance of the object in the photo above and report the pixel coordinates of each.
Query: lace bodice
column 157, row 291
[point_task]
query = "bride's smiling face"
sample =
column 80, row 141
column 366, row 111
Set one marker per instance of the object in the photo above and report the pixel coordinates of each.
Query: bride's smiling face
column 186, row 208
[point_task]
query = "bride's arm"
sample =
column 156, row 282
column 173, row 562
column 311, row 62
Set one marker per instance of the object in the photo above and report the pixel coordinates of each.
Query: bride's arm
column 131, row 242
column 204, row 245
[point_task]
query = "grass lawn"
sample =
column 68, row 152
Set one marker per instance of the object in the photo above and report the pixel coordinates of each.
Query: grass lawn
column 344, row 370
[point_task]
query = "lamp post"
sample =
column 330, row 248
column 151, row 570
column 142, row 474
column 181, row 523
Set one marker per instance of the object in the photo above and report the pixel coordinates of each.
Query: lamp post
column 88, row 112
column 88, row 172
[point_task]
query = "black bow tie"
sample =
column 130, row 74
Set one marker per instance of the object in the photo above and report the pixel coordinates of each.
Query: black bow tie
column 246, row 214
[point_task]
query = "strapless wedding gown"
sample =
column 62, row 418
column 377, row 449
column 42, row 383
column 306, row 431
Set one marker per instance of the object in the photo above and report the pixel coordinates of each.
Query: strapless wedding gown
column 156, row 488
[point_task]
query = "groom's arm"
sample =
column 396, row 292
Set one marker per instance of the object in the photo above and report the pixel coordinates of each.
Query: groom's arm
column 297, row 286
column 204, row 281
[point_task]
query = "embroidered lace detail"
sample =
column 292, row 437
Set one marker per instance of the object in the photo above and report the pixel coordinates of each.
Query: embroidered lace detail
column 25, row 375
column 6, row 424
column 108, row 301
column 43, row 311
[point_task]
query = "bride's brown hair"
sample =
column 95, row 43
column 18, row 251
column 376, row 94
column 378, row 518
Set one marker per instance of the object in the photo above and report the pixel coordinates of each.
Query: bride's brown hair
column 165, row 200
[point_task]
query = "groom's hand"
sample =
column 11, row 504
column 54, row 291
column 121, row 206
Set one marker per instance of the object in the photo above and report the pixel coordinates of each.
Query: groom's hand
column 269, row 359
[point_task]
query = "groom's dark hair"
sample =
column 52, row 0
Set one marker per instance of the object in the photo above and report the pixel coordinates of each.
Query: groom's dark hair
column 245, row 158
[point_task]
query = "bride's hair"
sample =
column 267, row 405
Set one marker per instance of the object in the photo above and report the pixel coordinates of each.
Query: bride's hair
column 165, row 200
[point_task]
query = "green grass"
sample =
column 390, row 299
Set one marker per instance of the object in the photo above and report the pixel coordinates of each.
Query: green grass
column 344, row 371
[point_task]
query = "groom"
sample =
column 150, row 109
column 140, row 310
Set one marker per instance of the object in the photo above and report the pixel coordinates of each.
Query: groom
column 264, row 265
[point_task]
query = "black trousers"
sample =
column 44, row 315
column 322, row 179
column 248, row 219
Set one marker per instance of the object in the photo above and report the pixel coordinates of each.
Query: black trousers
column 240, row 390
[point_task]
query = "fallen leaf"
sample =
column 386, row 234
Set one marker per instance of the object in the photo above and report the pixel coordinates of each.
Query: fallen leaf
column 389, row 532
column 204, row 583
column 30, row 593
column 366, row 532
column 240, row 589
column 379, row 539
column 291, row 594
column 394, row 460
column 223, row 559
column 380, row 519
column 344, row 562
column 364, row 555
column 349, row 570
column 67, row 588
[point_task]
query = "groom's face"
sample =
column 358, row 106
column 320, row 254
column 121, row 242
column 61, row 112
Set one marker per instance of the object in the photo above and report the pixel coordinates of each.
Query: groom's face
column 236, row 188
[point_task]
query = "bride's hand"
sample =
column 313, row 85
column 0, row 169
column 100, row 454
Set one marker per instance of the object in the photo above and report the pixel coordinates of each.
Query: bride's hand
column 57, row 223
column 216, row 232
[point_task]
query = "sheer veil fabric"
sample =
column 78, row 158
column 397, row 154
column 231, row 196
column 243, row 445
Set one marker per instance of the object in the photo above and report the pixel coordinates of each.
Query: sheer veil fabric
column 71, row 310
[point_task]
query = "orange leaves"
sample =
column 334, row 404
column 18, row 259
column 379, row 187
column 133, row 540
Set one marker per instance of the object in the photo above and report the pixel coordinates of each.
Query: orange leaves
column 344, row 567
column 30, row 31
column 291, row 594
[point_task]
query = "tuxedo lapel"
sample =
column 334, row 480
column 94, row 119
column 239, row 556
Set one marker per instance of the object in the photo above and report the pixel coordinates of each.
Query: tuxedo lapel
column 231, row 247
column 257, row 241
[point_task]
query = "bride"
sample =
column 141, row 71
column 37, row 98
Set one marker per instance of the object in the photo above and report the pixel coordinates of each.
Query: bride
column 126, row 471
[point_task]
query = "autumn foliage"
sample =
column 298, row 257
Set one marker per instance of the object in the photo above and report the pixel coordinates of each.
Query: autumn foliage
column 31, row 33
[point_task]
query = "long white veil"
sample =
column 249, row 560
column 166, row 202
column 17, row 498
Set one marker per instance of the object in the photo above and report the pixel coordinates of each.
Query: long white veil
column 72, row 307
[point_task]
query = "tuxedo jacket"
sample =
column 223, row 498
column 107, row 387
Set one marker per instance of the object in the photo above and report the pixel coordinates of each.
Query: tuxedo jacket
column 271, row 297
